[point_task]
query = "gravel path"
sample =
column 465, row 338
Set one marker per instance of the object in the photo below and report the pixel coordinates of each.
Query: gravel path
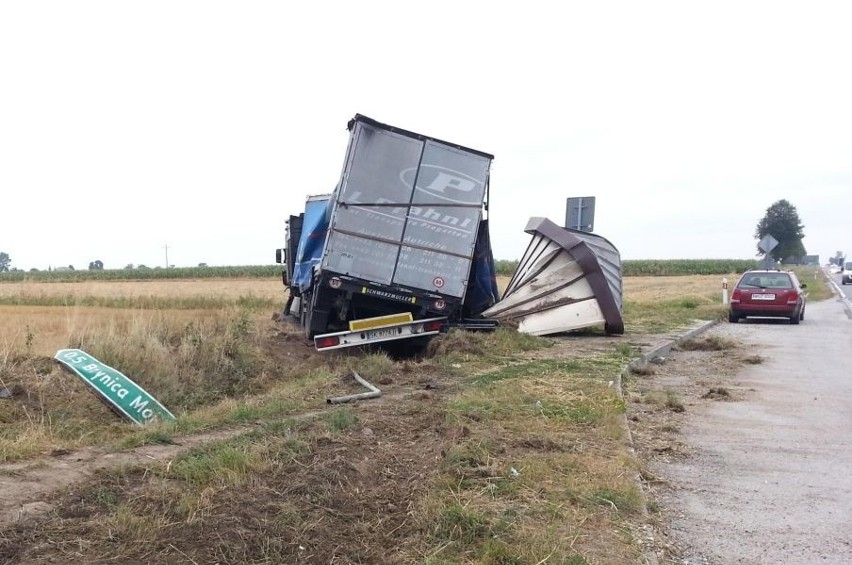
column 766, row 478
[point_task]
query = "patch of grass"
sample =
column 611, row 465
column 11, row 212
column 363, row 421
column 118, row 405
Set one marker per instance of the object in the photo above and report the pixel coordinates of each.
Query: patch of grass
column 710, row 343
column 126, row 526
column 222, row 463
column 660, row 316
column 674, row 403
column 147, row 437
column 106, row 496
column 753, row 359
column 373, row 366
column 461, row 524
column 475, row 453
column 576, row 413
column 341, row 419
column 497, row 552
column 625, row 350
column 538, row 368
column 465, row 346
column 622, row 499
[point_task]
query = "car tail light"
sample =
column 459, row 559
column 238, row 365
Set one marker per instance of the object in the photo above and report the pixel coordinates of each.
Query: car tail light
column 433, row 326
column 737, row 296
column 792, row 298
column 325, row 342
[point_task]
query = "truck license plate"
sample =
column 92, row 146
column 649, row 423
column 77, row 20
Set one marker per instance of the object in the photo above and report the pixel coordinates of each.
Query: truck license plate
column 763, row 297
column 389, row 332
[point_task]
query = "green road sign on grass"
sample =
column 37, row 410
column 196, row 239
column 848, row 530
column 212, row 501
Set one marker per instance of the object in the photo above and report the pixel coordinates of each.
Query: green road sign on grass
column 127, row 397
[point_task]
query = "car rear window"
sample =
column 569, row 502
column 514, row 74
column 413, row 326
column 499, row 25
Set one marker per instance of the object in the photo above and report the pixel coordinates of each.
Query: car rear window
column 848, row 266
column 780, row 281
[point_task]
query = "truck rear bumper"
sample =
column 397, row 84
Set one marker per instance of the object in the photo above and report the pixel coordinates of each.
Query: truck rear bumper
column 390, row 332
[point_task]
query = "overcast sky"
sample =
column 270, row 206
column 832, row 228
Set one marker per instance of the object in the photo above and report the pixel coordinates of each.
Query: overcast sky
column 129, row 126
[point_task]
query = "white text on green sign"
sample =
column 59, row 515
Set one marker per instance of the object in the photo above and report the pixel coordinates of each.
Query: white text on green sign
column 119, row 390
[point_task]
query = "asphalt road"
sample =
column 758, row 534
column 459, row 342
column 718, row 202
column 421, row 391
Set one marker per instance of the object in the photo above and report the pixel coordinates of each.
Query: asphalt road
column 771, row 479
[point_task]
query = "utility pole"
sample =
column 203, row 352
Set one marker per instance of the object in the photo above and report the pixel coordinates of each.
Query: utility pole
column 166, row 247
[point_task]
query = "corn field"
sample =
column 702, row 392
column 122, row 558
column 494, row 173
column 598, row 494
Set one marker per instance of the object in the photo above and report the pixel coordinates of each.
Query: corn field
column 675, row 267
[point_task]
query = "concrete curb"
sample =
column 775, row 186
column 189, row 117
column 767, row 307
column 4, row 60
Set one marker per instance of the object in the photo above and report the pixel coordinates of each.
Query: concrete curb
column 667, row 347
column 658, row 351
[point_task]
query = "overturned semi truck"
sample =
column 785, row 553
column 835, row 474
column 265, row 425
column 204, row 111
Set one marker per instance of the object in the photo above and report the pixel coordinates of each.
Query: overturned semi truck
column 400, row 249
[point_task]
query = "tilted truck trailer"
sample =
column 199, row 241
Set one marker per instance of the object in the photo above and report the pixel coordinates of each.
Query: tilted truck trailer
column 400, row 249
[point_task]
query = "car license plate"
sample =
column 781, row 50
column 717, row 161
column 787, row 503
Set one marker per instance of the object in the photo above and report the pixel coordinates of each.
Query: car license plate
column 382, row 333
column 763, row 297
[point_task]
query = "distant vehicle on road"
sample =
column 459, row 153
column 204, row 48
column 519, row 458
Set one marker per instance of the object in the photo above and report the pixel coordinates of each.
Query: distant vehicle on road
column 834, row 269
column 846, row 278
column 768, row 293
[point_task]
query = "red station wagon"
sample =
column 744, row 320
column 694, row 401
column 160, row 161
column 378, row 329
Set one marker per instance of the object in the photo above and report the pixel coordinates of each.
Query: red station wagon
column 766, row 293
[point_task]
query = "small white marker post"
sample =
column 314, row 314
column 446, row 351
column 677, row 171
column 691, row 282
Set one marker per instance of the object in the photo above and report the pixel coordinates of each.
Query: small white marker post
column 724, row 291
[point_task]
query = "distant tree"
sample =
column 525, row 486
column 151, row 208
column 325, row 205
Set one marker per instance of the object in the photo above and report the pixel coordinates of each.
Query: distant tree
column 70, row 267
column 96, row 265
column 141, row 267
column 128, row 266
column 782, row 222
column 33, row 270
column 5, row 261
column 202, row 265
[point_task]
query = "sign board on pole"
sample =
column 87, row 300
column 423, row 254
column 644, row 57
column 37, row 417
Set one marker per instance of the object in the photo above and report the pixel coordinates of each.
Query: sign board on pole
column 580, row 213
column 128, row 398
column 768, row 243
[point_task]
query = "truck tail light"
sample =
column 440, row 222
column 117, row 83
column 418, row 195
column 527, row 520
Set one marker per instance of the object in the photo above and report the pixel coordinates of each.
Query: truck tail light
column 432, row 326
column 326, row 342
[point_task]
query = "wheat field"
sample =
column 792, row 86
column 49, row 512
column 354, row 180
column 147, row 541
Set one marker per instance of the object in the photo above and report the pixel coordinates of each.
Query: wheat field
column 43, row 330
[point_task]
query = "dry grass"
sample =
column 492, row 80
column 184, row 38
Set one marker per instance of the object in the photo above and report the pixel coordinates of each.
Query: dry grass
column 712, row 343
column 220, row 288
column 654, row 289
column 43, row 330
column 533, row 477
